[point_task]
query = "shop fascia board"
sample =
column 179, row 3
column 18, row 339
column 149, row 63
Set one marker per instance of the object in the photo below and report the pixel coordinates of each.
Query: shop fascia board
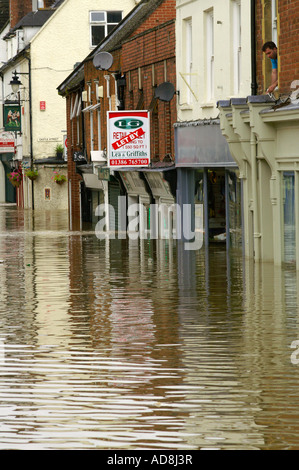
column 232, row 137
column 286, row 114
column 265, row 133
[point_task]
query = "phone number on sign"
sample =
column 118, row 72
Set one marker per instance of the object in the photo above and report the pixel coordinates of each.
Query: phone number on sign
column 129, row 161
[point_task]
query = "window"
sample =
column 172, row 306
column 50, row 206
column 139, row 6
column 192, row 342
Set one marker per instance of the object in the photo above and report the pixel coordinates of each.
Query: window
column 101, row 24
column 237, row 45
column 274, row 21
column 210, row 54
column 188, row 48
column 36, row 4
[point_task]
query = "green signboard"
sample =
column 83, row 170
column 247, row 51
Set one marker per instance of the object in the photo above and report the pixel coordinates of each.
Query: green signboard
column 12, row 117
column 104, row 173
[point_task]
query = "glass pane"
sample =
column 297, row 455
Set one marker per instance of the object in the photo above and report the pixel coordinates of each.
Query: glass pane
column 198, row 200
column 114, row 16
column 97, row 34
column 98, row 16
column 235, row 215
column 111, row 27
column 288, row 200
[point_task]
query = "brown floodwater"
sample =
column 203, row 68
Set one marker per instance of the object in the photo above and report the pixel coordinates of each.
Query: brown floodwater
column 121, row 344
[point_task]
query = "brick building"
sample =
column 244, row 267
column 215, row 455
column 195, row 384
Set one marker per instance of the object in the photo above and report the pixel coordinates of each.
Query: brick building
column 142, row 49
column 277, row 20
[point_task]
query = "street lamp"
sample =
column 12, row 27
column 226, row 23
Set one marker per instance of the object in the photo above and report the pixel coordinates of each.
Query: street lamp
column 15, row 82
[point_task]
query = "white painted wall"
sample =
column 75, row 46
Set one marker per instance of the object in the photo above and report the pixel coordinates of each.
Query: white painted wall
column 200, row 105
column 60, row 43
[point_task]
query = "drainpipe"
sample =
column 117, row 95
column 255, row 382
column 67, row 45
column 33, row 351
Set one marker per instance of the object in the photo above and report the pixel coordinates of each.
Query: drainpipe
column 253, row 49
column 30, row 124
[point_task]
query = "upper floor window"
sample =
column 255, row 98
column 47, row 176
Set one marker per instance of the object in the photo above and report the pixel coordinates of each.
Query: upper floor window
column 210, row 54
column 102, row 23
column 274, row 21
column 188, row 58
column 237, row 45
column 36, row 4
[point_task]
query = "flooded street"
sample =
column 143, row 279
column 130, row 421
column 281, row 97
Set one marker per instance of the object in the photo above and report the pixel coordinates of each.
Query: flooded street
column 121, row 344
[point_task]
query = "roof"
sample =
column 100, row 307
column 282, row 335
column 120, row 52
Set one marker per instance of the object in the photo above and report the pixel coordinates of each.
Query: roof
column 34, row 18
column 115, row 39
column 4, row 13
column 57, row 3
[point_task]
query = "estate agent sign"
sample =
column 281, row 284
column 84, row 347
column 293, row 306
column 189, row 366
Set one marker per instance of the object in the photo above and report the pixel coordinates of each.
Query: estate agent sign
column 128, row 138
column 7, row 143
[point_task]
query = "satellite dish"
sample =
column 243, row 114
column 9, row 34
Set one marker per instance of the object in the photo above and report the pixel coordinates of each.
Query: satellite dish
column 103, row 61
column 165, row 91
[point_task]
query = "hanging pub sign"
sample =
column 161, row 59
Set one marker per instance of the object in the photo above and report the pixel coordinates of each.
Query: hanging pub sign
column 12, row 117
column 128, row 138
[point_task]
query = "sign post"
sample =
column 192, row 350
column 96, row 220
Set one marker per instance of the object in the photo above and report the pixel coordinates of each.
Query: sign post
column 128, row 139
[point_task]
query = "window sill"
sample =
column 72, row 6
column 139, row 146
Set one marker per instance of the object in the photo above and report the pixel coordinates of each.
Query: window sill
column 208, row 105
column 186, row 107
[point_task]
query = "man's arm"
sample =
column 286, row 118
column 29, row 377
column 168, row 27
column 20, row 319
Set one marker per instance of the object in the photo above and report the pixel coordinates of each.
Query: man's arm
column 274, row 80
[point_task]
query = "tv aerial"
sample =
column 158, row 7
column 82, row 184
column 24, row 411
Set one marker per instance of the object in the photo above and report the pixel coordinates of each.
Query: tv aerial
column 103, row 61
column 165, row 91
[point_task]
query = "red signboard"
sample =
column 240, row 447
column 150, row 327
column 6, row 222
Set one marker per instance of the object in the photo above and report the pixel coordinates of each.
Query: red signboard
column 7, row 146
column 128, row 138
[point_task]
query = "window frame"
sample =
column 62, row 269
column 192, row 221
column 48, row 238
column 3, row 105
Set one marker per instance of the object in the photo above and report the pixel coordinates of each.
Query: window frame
column 210, row 57
column 104, row 23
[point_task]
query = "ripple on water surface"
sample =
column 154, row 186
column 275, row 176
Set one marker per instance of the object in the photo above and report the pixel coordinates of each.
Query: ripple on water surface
column 121, row 344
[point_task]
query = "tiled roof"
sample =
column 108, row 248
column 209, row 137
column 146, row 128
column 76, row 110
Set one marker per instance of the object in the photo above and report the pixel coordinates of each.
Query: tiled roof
column 4, row 13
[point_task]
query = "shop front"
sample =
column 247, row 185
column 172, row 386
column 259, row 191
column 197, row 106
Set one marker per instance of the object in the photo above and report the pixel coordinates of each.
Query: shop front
column 208, row 182
column 263, row 138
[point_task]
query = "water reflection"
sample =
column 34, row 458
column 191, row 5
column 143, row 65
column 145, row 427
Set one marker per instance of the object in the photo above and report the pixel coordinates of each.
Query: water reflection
column 139, row 344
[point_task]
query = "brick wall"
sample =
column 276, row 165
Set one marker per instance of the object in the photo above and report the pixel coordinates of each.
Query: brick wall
column 288, row 43
column 149, row 58
column 73, row 177
column 148, row 54
column 20, row 8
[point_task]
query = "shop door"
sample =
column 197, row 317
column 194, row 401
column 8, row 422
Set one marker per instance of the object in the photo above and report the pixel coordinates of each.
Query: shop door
column 113, row 194
column 10, row 191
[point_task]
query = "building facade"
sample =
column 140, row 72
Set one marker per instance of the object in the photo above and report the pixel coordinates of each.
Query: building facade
column 45, row 40
column 142, row 51
column 262, row 134
column 213, row 44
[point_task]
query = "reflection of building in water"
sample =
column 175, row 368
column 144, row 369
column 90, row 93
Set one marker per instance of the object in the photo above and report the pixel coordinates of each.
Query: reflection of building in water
column 210, row 309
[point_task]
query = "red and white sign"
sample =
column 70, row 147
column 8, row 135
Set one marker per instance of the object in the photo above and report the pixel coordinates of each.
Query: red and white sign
column 128, row 138
column 42, row 105
column 7, row 144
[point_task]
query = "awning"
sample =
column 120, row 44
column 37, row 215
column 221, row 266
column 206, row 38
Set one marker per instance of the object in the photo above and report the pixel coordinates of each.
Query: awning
column 160, row 188
column 201, row 144
column 92, row 182
column 134, row 185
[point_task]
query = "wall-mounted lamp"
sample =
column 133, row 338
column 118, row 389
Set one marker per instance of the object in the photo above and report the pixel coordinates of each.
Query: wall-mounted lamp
column 15, row 82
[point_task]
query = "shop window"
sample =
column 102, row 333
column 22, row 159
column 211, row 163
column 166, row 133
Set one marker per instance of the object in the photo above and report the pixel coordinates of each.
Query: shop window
column 289, row 230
